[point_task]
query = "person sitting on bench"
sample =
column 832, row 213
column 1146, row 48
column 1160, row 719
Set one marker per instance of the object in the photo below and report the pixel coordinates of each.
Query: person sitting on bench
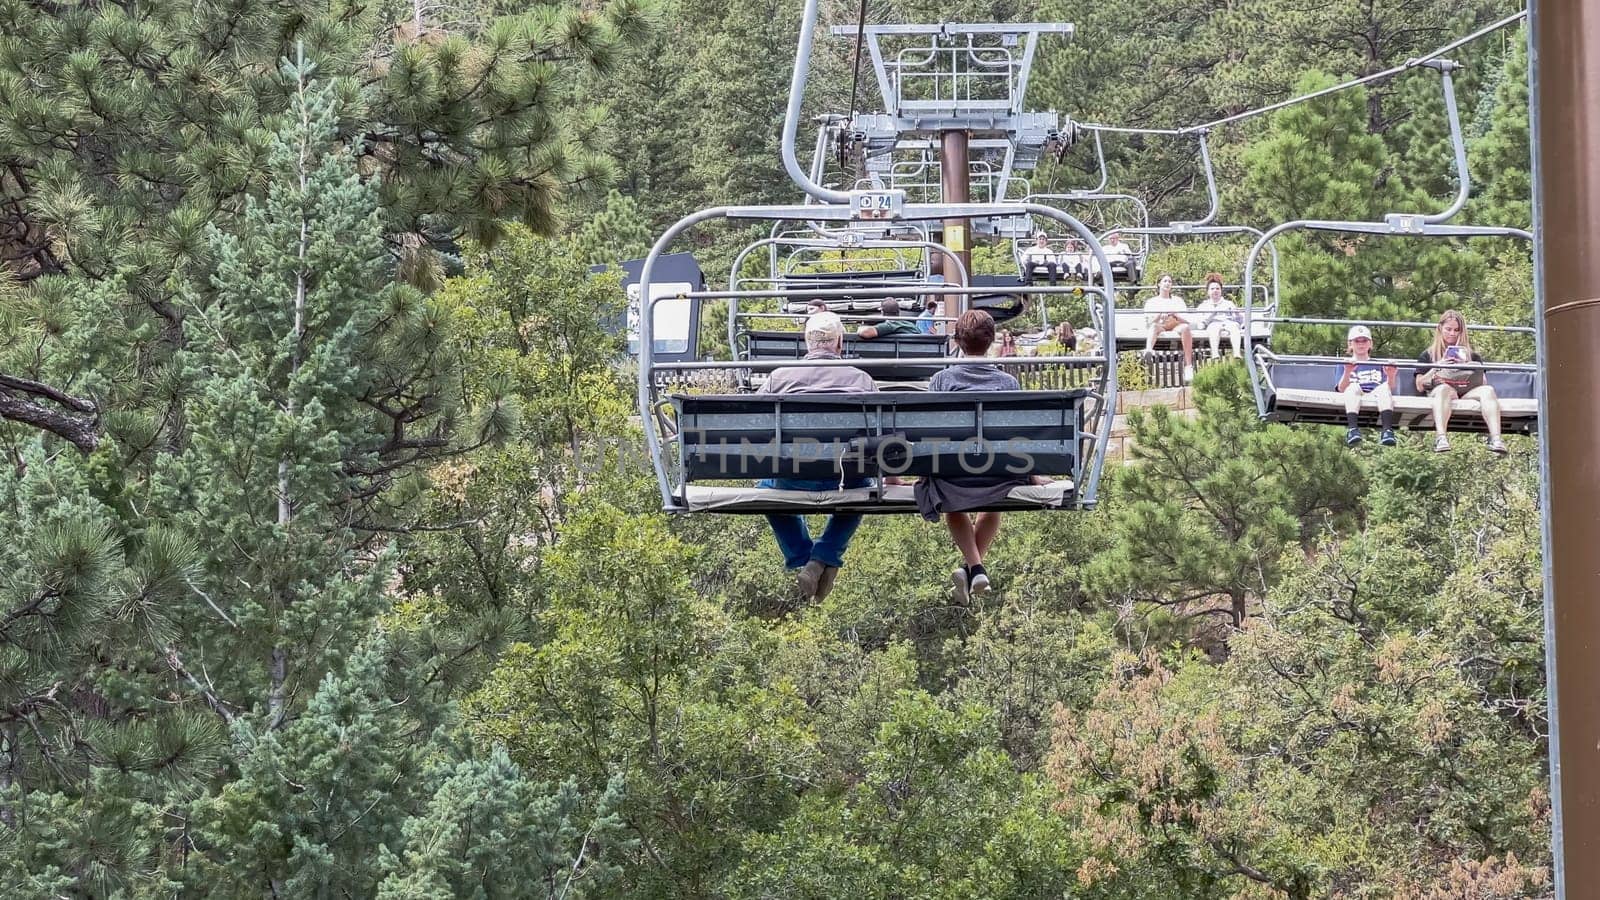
column 892, row 326
column 1041, row 256
column 1360, row 379
column 819, row 560
column 1078, row 262
column 1119, row 253
column 1217, row 316
column 953, row 495
column 1165, row 312
column 1446, row 385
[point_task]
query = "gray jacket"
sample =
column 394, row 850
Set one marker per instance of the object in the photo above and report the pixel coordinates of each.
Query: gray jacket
column 818, row 379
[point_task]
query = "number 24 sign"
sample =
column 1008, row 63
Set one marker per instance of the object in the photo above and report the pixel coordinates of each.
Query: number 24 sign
column 878, row 204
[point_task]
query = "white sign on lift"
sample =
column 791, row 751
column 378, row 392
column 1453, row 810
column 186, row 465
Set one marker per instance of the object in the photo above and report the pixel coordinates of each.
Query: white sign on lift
column 874, row 205
column 673, row 319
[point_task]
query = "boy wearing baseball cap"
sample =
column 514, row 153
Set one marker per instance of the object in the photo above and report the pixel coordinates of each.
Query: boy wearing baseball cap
column 1361, row 378
column 1041, row 256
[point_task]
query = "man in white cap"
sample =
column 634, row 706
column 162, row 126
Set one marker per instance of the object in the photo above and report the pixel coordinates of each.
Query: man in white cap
column 1361, row 379
column 1041, row 256
column 819, row 560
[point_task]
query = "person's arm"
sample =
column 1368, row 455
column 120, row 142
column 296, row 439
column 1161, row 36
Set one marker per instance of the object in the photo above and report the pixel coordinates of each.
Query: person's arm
column 1426, row 379
column 1391, row 374
column 1483, row 377
column 1347, row 373
column 866, row 332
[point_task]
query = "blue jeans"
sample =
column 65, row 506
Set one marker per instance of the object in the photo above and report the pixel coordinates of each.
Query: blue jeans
column 794, row 539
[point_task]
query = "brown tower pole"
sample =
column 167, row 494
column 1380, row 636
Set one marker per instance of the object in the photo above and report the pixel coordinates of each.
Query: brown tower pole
column 956, row 187
column 1565, row 71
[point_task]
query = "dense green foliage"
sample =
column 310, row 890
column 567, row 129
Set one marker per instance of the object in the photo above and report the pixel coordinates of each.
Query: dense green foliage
column 333, row 567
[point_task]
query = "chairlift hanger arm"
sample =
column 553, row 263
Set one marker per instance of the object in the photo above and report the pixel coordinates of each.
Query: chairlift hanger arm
column 1458, row 143
column 1211, row 182
column 1100, row 161
column 791, row 117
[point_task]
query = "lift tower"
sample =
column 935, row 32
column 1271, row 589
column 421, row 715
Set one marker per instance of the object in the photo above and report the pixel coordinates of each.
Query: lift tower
column 953, row 100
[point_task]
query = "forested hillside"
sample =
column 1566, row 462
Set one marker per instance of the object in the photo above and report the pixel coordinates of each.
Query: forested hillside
column 334, row 568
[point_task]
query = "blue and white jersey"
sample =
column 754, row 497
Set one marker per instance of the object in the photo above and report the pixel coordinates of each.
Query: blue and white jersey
column 1368, row 375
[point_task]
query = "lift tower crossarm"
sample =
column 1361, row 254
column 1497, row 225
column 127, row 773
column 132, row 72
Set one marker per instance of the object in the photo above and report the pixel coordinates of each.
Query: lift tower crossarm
column 971, row 71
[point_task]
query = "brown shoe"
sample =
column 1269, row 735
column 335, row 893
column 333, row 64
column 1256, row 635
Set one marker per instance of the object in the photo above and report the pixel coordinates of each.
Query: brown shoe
column 810, row 577
column 825, row 582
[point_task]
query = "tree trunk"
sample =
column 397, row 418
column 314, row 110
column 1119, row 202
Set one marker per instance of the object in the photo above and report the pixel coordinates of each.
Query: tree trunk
column 280, row 654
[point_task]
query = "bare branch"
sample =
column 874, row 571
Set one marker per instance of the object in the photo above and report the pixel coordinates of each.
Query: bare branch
column 81, row 427
column 212, row 700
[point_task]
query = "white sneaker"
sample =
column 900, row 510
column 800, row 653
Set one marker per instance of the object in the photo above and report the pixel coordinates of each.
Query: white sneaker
column 1188, row 374
column 963, row 590
column 980, row 583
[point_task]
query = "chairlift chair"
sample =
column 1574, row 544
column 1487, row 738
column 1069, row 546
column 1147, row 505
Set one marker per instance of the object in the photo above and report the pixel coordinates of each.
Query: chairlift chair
column 700, row 441
column 1299, row 388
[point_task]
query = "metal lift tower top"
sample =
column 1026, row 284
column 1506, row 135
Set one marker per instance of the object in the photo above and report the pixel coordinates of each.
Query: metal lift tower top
column 955, row 77
column 955, row 89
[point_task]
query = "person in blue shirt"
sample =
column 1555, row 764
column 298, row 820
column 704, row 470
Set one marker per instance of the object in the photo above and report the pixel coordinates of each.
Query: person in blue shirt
column 953, row 496
column 1361, row 379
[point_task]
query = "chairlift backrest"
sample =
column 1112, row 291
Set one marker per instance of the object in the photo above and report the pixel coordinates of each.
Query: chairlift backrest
column 826, row 436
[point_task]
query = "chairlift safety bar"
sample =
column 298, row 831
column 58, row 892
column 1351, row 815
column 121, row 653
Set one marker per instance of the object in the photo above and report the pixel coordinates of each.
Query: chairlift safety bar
column 1300, row 320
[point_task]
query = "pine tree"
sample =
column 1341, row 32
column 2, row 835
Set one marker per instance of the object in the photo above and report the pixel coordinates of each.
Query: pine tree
column 305, row 400
column 1215, row 501
column 616, row 233
column 348, row 800
column 125, row 132
column 154, row 622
